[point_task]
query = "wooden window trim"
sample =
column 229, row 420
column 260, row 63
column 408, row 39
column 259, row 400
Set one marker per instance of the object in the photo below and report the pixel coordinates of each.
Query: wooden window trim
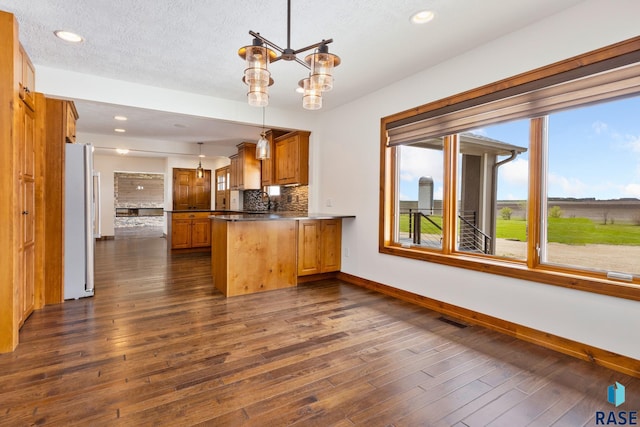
column 610, row 57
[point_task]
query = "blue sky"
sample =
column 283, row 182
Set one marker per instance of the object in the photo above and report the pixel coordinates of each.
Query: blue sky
column 593, row 152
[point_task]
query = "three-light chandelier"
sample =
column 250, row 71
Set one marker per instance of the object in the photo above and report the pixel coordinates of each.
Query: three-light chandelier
column 258, row 56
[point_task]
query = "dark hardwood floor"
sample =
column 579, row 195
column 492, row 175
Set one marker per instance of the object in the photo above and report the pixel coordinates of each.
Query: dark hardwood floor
column 158, row 345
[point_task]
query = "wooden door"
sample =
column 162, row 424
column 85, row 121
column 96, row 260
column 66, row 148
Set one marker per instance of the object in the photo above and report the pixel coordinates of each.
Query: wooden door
column 233, row 172
column 222, row 188
column 27, row 255
column 182, row 179
column 200, row 232
column 201, row 191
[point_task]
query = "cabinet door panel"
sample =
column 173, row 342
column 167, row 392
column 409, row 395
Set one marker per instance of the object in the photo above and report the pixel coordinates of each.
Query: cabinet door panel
column 331, row 243
column 181, row 234
column 200, row 233
column 308, row 247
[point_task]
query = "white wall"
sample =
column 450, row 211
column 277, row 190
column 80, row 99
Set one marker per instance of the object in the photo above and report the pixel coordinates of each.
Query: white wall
column 348, row 173
column 107, row 165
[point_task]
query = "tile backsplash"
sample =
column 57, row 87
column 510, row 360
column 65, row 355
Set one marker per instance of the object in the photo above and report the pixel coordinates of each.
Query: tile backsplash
column 295, row 199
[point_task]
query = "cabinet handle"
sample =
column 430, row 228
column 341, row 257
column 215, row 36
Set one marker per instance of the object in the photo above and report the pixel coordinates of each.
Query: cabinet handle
column 25, row 212
column 26, row 90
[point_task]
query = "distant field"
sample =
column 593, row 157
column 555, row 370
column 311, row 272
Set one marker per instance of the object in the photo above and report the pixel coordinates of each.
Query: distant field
column 574, row 231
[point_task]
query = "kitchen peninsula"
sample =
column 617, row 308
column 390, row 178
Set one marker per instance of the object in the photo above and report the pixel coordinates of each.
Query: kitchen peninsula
column 265, row 251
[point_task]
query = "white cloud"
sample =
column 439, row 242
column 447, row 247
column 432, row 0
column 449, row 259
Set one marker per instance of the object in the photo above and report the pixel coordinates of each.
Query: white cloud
column 418, row 162
column 599, row 127
column 632, row 190
column 561, row 186
column 515, row 172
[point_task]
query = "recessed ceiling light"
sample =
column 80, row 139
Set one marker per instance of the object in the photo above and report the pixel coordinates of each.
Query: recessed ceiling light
column 119, row 130
column 422, row 17
column 68, row 36
column 121, row 118
column 122, row 150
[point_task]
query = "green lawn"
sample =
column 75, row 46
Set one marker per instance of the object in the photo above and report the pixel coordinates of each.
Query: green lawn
column 574, row 231
column 425, row 225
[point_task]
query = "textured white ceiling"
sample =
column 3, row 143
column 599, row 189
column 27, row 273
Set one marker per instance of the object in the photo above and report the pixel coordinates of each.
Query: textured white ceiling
column 191, row 45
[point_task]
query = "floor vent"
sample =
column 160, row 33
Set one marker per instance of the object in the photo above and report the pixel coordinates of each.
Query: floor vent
column 452, row 322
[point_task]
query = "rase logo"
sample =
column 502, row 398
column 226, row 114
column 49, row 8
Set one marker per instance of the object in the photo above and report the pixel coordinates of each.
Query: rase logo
column 615, row 394
column 616, row 397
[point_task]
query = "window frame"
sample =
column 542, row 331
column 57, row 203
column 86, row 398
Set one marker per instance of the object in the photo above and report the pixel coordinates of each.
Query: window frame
column 608, row 58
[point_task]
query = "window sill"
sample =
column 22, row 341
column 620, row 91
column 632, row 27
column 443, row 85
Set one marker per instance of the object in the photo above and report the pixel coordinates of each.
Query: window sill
column 574, row 279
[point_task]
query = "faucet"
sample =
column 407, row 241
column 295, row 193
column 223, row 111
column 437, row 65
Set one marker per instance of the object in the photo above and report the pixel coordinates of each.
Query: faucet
column 263, row 194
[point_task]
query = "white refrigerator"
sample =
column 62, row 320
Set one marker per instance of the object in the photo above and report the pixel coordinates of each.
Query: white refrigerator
column 81, row 221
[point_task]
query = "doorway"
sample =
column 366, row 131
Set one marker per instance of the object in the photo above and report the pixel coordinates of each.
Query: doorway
column 139, row 204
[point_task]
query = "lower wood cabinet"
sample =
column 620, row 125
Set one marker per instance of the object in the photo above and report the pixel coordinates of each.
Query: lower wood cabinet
column 190, row 230
column 319, row 246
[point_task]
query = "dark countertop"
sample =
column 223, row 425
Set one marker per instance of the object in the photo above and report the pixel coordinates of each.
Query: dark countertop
column 277, row 216
column 208, row 210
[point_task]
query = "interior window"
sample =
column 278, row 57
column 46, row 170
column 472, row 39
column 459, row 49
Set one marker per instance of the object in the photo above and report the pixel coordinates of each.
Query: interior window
column 420, row 177
column 493, row 172
column 592, row 211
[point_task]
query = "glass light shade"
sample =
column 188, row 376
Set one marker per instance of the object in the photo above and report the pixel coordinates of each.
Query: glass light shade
column 322, row 65
column 257, row 59
column 199, row 170
column 258, row 96
column 312, row 97
column 263, row 149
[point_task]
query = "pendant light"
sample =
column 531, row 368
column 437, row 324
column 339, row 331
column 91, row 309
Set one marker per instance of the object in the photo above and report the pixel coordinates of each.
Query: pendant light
column 258, row 56
column 263, row 148
column 199, row 170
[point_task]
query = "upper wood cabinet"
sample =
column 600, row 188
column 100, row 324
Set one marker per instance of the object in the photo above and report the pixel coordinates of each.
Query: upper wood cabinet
column 191, row 192
column 268, row 166
column 292, row 158
column 244, row 169
column 71, row 116
column 27, row 81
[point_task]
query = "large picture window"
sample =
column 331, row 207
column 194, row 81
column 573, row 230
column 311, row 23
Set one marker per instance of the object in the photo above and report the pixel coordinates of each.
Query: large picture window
column 536, row 177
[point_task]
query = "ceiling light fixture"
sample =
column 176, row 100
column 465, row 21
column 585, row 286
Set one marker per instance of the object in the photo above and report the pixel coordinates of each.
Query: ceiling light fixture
column 119, row 130
column 258, row 57
column 422, row 17
column 68, row 36
column 122, row 151
column 120, row 118
column 199, row 170
column 263, row 149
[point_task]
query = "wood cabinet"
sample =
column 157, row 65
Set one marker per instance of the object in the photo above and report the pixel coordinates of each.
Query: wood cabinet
column 292, row 158
column 319, row 246
column 69, row 124
column 222, row 188
column 21, row 186
column 60, row 124
column 190, row 230
column 244, row 170
column 27, row 81
column 27, row 203
column 191, row 192
column 253, row 256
